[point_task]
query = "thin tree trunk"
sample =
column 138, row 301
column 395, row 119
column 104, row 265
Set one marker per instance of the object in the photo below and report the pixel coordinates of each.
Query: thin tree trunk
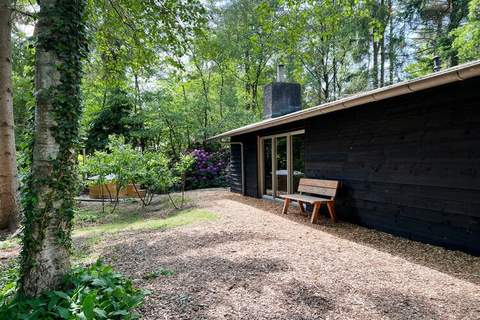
column 391, row 56
column 8, row 169
column 335, row 71
column 248, row 86
column 220, row 98
column 185, row 100
column 49, row 209
column 382, row 62
column 375, row 62
column 137, row 94
column 382, row 49
column 255, row 95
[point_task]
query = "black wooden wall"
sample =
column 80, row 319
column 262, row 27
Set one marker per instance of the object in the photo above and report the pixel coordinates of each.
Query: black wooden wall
column 235, row 168
column 250, row 164
column 409, row 165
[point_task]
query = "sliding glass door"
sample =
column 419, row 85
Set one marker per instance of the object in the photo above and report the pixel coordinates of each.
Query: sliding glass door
column 267, row 167
column 281, row 163
column 281, row 173
column 298, row 162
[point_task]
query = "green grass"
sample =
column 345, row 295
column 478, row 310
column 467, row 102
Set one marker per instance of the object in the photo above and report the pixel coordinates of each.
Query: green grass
column 127, row 210
column 83, row 217
column 84, row 253
column 181, row 218
column 130, row 221
column 9, row 243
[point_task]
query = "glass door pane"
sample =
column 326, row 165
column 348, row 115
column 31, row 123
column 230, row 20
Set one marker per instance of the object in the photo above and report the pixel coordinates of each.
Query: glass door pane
column 281, row 175
column 267, row 167
column 298, row 162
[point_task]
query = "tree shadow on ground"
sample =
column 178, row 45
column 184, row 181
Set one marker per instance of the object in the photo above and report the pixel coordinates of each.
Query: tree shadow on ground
column 316, row 302
column 200, row 282
column 133, row 244
column 454, row 263
column 208, row 283
column 210, row 280
column 399, row 306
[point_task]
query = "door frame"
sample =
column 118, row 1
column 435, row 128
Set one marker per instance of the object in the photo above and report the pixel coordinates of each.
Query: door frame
column 261, row 169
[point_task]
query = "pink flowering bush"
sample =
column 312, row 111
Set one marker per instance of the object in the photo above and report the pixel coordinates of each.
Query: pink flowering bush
column 209, row 169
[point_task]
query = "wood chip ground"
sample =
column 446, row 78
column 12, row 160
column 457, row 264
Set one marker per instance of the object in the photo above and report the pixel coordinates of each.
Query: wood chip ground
column 254, row 263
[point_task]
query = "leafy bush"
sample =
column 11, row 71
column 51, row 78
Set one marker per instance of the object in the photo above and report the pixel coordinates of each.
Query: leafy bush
column 94, row 292
column 209, row 169
column 8, row 278
column 149, row 170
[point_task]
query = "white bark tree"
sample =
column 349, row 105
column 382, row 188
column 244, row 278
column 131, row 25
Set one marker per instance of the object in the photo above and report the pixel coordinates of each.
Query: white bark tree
column 8, row 170
column 49, row 200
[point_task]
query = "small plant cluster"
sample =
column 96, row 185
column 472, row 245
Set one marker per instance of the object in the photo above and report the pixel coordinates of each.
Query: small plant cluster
column 94, row 292
column 151, row 171
column 157, row 273
column 209, row 169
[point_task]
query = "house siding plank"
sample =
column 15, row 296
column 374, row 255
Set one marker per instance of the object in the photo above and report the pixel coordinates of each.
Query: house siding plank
column 409, row 165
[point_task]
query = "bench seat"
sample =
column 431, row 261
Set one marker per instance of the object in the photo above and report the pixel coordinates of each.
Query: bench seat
column 304, row 198
column 326, row 189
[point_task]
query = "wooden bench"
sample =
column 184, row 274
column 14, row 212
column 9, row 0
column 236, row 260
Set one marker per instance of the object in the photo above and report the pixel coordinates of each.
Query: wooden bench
column 325, row 188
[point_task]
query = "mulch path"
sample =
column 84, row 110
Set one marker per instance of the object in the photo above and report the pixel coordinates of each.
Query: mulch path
column 255, row 263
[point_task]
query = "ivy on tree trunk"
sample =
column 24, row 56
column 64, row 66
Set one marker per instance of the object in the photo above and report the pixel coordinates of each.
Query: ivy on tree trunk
column 51, row 186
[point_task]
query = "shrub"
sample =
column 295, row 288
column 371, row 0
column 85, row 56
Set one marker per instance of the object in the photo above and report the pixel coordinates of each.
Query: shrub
column 209, row 169
column 149, row 170
column 8, row 278
column 94, row 292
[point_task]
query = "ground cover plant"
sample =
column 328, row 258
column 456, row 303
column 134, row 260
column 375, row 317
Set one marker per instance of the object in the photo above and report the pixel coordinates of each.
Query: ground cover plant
column 92, row 292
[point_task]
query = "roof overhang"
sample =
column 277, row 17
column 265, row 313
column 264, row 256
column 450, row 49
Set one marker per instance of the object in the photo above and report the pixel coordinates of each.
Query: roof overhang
column 450, row 75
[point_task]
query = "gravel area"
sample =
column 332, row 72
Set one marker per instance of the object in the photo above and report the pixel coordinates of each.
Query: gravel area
column 255, row 263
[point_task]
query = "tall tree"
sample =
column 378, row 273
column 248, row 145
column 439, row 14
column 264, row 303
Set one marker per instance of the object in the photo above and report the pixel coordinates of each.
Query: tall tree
column 432, row 22
column 249, row 33
column 467, row 37
column 8, row 169
column 49, row 191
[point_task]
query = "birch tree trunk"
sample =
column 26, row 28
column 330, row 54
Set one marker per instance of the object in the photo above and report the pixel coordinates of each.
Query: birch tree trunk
column 8, row 169
column 49, row 211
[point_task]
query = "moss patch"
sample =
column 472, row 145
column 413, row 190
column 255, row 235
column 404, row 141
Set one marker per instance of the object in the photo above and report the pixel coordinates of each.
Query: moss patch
column 180, row 218
column 9, row 243
column 87, row 238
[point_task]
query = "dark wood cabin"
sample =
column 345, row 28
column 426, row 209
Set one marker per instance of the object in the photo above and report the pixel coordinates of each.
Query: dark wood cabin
column 409, row 163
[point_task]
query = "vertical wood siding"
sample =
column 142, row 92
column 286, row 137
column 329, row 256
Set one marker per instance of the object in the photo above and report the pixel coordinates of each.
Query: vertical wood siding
column 235, row 168
column 409, row 165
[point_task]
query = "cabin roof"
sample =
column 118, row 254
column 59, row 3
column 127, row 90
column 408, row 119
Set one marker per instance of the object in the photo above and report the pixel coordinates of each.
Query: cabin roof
column 450, row 75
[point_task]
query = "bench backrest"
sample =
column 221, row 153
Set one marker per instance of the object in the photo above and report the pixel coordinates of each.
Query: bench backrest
column 326, row 188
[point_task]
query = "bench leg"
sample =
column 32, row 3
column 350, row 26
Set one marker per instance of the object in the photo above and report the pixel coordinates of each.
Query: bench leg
column 302, row 208
column 331, row 210
column 316, row 208
column 286, row 203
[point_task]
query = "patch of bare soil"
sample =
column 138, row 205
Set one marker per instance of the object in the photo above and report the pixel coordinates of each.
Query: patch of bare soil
column 255, row 263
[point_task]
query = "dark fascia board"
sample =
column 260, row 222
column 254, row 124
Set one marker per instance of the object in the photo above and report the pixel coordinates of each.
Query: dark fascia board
column 450, row 75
